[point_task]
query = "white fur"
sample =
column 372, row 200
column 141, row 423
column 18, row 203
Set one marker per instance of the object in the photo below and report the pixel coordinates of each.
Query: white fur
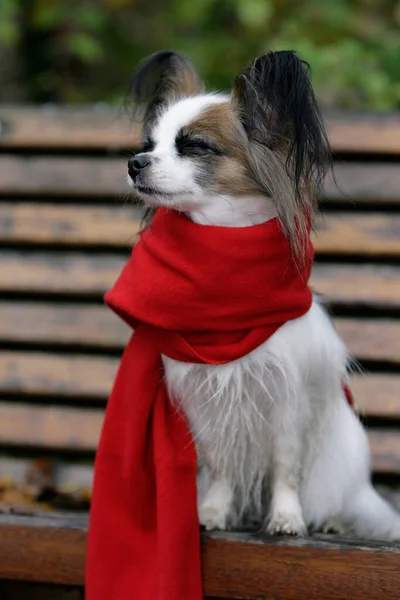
column 279, row 417
column 276, row 439
column 177, row 176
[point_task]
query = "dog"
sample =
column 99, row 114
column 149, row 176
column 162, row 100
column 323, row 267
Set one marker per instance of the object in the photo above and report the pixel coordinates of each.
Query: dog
column 277, row 442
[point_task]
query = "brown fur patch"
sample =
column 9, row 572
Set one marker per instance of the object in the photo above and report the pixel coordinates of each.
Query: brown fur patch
column 231, row 173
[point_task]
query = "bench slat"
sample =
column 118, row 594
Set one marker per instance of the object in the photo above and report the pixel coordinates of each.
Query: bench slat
column 235, row 565
column 374, row 234
column 36, row 272
column 101, row 177
column 78, row 430
column 98, row 128
column 60, row 324
column 369, row 285
column 65, row 428
column 64, row 128
column 81, row 275
column 41, row 224
column 46, row 374
column 91, row 377
column 116, row 227
column 87, row 325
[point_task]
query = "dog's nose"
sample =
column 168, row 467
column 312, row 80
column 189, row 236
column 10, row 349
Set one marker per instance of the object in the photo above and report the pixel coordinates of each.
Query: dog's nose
column 137, row 163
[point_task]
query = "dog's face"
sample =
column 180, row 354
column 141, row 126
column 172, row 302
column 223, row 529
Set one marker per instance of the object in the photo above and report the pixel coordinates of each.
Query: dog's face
column 265, row 140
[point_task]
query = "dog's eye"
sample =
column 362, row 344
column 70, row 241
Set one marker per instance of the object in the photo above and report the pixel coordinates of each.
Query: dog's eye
column 148, row 146
column 195, row 148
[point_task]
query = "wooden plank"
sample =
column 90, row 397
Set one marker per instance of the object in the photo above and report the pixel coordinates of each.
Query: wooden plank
column 53, row 427
column 101, row 127
column 94, row 128
column 69, row 375
column 235, row 565
column 60, row 324
column 30, row 271
column 89, row 325
column 358, row 182
column 247, row 567
column 73, row 273
column 38, row 175
column 117, row 227
column 106, row 177
column 371, row 339
column 48, row 552
column 351, row 132
column 42, row 373
column 89, row 377
column 377, row 395
column 385, row 450
column 354, row 234
column 41, row 224
column 78, row 429
column 366, row 285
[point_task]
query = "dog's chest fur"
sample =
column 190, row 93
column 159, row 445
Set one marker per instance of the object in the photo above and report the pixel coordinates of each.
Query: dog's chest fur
column 234, row 410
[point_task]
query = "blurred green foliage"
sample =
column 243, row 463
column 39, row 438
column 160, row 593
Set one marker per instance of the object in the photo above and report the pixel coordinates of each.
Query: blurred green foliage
column 85, row 51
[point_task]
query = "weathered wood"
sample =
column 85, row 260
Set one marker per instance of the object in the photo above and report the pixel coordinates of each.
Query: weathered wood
column 38, row 175
column 93, row 128
column 98, row 128
column 76, row 274
column 61, row 324
column 78, row 429
column 50, row 549
column 46, row 552
column 91, row 325
column 358, row 182
column 44, row 374
column 351, row 132
column 369, row 234
column 377, row 395
column 368, row 285
column 117, row 227
column 101, row 177
column 42, row 224
column 385, row 450
column 58, row 273
column 371, row 339
column 50, row 426
column 294, row 569
column 74, row 375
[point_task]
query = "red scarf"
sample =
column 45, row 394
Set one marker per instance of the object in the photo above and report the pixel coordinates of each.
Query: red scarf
column 197, row 294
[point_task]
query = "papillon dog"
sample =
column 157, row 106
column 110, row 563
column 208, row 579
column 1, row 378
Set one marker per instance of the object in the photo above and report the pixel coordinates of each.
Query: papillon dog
column 237, row 160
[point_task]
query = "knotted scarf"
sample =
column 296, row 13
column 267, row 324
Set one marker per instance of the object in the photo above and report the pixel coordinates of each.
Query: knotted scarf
column 199, row 294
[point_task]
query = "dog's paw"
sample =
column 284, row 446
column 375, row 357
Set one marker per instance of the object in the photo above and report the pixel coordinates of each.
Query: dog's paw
column 211, row 517
column 285, row 523
column 333, row 525
column 216, row 506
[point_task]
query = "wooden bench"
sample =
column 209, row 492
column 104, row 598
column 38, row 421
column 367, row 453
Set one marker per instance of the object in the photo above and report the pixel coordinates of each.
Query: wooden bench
column 66, row 228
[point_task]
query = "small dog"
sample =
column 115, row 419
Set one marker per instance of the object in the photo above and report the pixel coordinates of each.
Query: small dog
column 277, row 441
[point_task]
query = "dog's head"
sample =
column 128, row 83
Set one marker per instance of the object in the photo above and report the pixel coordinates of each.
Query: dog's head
column 264, row 140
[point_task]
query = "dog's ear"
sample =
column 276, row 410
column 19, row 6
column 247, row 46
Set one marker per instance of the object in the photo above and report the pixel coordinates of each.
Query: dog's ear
column 278, row 109
column 159, row 79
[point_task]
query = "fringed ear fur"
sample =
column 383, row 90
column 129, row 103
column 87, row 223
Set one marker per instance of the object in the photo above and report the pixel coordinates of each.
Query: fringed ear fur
column 159, row 79
column 278, row 110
